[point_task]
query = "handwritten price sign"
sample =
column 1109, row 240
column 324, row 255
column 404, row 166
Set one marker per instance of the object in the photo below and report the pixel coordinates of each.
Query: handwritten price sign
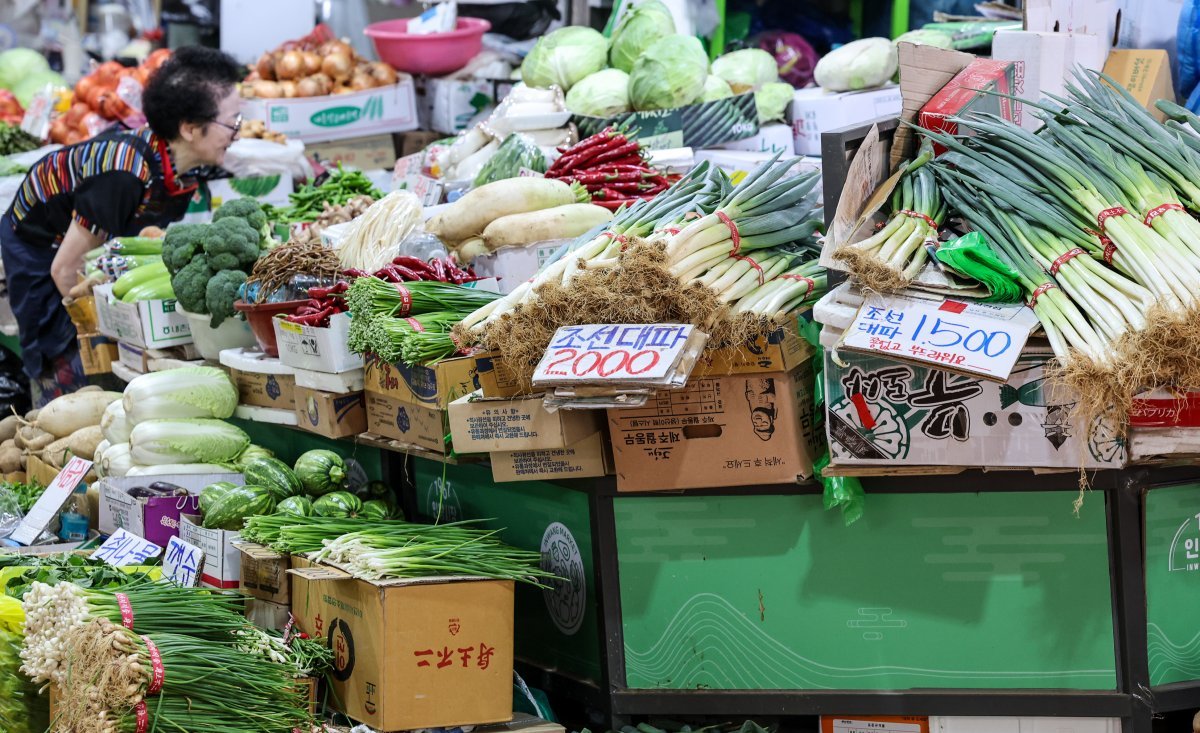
column 124, row 548
column 51, row 501
column 611, row 353
column 181, row 565
column 980, row 339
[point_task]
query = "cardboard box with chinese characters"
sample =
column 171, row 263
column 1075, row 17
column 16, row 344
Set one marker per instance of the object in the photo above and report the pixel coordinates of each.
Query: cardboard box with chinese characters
column 265, row 573
column 588, row 458
column 481, row 425
column 411, row 654
column 423, row 427
column 1144, row 74
column 432, row 386
column 733, row 430
column 967, row 93
column 885, row 413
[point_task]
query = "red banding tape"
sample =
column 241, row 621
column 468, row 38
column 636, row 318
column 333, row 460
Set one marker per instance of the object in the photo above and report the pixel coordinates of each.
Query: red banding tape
column 1064, row 259
column 143, row 717
column 1107, row 214
column 1038, row 293
column 733, row 232
column 919, row 215
column 811, row 285
column 415, row 324
column 1158, row 211
column 126, row 610
column 158, row 673
column 1110, row 249
column 405, row 299
column 755, row 265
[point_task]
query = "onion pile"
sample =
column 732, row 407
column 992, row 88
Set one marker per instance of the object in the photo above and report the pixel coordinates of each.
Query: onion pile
column 304, row 69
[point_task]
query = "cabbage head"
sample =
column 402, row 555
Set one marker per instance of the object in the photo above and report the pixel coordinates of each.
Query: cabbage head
column 28, row 88
column 648, row 23
column 747, row 69
column 861, row 64
column 715, row 88
column 564, row 57
column 603, row 94
column 19, row 63
column 669, row 74
column 772, row 101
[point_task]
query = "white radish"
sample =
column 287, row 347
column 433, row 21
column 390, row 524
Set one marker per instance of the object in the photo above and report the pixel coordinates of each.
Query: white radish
column 468, row 216
column 64, row 415
column 561, row 222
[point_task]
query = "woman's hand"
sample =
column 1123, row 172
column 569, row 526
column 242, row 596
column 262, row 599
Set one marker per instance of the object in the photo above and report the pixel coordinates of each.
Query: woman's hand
column 68, row 261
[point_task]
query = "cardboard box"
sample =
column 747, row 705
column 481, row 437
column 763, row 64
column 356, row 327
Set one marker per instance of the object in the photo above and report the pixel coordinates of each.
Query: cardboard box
column 588, row 458
column 434, row 386
column 1162, row 408
column 272, row 189
column 1078, row 17
column 773, row 138
column 146, row 323
column 267, row 614
column 688, row 126
column 1048, row 60
column 782, row 350
column 351, row 381
column 330, row 414
column 816, row 111
column 423, row 427
column 97, row 353
column 965, row 95
column 496, row 379
column 1144, row 74
column 739, row 161
column 1009, row 724
column 319, row 119
column 315, row 348
column 39, row 471
column 874, row 724
column 719, row 431
column 449, row 105
column 262, row 381
column 882, row 412
column 416, row 141
column 133, row 357
column 412, row 654
column 81, row 310
column 365, row 153
column 222, row 561
column 265, row 573
column 156, row 519
column 522, row 723
column 1149, row 24
column 480, row 425
column 514, row 265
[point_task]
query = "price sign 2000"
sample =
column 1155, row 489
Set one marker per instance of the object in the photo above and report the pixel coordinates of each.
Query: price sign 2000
column 990, row 343
column 604, row 364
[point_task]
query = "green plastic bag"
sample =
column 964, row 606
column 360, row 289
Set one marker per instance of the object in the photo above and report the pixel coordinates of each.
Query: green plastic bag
column 516, row 152
column 971, row 257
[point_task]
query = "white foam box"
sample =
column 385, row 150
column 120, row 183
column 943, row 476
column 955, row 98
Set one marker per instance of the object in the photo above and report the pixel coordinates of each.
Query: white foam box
column 349, row 381
column 1048, row 60
column 816, row 111
column 333, row 117
column 146, row 323
column 316, row 348
column 261, row 380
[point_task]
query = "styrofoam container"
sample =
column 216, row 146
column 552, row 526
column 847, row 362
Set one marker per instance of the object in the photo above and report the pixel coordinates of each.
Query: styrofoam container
column 233, row 333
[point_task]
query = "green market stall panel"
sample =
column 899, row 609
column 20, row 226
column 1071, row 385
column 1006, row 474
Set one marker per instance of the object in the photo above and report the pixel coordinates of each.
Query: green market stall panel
column 557, row 628
column 1173, row 584
column 996, row 590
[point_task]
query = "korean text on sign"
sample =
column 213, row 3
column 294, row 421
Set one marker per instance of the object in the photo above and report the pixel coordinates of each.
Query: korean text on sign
column 124, row 548
column 612, row 351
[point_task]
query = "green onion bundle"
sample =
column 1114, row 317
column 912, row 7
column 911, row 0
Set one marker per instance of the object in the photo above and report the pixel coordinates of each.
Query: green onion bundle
column 896, row 254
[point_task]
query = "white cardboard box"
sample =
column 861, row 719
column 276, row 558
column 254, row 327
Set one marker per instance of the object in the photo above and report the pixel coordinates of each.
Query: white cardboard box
column 226, row 189
column 119, row 510
column 134, row 357
column 451, row 104
column 771, row 139
column 1150, row 24
column 512, row 266
column 317, row 119
column 1004, row 724
column 146, row 323
column 816, row 111
column 349, row 381
column 1048, row 61
column 222, row 559
column 317, row 349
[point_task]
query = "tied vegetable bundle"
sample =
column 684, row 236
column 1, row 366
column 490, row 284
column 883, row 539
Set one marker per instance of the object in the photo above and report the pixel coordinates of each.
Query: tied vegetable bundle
column 612, row 168
column 410, row 322
column 376, row 549
column 732, row 260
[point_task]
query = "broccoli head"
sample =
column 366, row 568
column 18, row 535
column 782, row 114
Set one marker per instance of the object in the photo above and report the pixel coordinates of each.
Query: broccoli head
column 231, row 245
column 181, row 243
column 248, row 210
column 221, row 293
column 191, row 283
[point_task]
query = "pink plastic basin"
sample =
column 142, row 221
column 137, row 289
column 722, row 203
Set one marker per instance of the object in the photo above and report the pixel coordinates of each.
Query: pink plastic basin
column 435, row 54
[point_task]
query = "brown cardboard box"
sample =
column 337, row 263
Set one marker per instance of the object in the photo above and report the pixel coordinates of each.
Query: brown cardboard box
column 390, row 417
column 410, row 654
column 481, row 425
column 97, row 353
column 1146, row 74
column 496, row 379
column 719, row 431
column 83, row 314
column 265, row 390
column 367, row 153
column 265, row 573
column 330, row 414
column 782, row 350
column 588, row 458
column 435, row 386
column 39, row 471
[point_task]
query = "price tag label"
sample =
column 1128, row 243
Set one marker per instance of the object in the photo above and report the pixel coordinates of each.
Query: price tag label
column 124, row 548
column 409, row 165
column 612, row 352
column 181, row 564
column 51, row 501
column 429, row 190
column 971, row 338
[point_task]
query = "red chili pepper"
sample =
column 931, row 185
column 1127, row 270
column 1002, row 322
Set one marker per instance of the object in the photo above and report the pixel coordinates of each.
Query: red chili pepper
column 413, row 263
column 610, row 205
column 406, row 274
column 595, row 153
column 439, row 270
column 616, row 177
column 616, row 153
column 319, row 292
column 354, row 272
column 340, row 287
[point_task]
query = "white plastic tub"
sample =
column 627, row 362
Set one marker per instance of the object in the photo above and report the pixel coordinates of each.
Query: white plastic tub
column 233, row 333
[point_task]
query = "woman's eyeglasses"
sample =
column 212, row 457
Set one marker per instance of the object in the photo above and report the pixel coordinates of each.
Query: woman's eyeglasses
column 235, row 128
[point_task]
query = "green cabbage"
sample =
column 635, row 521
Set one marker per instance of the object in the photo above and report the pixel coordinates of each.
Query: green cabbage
column 564, row 57
column 645, row 25
column 669, row 74
column 20, row 63
column 772, row 101
column 183, row 392
column 747, row 69
column 922, row 37
column 196, row 440
column 861, row 64
column 603, row 94
column 715, row 88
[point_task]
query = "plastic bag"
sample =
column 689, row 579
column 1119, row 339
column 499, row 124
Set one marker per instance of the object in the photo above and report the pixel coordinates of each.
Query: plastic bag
column 11, row 515
column 14, row 387
column 248, row 157
column 971, row 257
column 517, row 152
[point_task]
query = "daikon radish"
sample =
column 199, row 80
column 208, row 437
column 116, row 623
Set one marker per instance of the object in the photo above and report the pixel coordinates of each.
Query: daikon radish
column 64, row 415
column 561, row 222
column 468, row 216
